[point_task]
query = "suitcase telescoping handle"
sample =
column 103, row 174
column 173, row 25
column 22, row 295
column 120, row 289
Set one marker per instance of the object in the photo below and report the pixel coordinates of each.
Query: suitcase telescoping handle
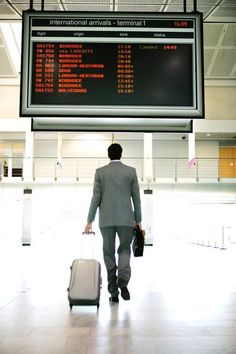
column 91, row 238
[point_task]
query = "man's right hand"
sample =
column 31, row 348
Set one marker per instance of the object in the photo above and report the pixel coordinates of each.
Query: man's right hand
column 88, row 228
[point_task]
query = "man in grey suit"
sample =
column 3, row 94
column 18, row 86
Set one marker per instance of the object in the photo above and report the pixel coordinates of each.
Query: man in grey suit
column 116, row 194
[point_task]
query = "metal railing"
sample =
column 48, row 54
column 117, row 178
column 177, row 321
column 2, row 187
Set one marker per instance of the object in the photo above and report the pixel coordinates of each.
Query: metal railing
column 178, row 168
column 84, row 168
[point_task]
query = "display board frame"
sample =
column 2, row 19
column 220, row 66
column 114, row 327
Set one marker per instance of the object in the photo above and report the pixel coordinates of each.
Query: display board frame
column 34, row 30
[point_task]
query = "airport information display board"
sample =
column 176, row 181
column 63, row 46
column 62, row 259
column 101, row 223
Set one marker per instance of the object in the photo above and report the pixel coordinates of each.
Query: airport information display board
column 112, row 65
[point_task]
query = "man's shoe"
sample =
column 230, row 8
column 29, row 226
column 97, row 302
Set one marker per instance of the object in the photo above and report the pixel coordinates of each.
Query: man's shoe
column 114, row 299
column 125, row 293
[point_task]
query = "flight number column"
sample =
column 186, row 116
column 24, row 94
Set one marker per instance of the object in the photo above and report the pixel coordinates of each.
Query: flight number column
column 44, row 68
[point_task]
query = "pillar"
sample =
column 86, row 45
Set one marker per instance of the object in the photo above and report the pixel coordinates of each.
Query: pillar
column 191, row 149
column 148, row 162
column 9, row 162
column 147, row 199
column 27, row 217
column 28, row 155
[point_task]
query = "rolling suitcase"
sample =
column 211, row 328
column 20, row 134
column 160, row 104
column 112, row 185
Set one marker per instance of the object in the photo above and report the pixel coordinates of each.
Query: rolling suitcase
column 85, row 282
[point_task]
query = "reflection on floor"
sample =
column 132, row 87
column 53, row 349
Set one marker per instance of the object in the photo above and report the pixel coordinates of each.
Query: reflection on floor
column 183, row 301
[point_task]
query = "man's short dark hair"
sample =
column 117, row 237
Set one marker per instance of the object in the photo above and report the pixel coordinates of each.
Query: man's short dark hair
column 114, row 151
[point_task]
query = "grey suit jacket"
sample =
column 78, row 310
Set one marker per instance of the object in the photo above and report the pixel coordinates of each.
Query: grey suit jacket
column 116, row 194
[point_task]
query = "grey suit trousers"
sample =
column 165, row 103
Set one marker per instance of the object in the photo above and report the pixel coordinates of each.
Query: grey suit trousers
column 125, row 235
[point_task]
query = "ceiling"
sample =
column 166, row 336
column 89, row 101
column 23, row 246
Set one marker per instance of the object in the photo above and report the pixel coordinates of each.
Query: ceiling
column 219, row 29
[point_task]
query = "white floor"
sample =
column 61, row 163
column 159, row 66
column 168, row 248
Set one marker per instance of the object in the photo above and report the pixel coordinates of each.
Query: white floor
column 183, row 296
column 183, row 300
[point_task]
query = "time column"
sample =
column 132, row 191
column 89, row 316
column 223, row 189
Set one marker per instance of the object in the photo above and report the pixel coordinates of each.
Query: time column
column 44, row 67
column 125, row 70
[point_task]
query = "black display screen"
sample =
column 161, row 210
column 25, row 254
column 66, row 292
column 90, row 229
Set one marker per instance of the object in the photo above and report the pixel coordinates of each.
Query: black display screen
column 121, row 74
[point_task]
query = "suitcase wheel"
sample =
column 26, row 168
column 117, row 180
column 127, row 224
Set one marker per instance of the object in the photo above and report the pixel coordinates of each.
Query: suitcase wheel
column 71, row 306
column 98, row 306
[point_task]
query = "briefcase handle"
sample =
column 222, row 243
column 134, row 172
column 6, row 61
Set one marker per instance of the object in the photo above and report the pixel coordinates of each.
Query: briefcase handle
column 90, row 233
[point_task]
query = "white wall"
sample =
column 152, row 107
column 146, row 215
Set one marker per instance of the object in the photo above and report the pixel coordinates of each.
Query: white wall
column 86, row 148
column 179, row 149
column 207, row 149
column 81, row 156
column 45, row 148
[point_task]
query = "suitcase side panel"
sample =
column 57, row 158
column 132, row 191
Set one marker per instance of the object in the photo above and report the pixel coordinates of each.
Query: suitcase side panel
column 85, row 282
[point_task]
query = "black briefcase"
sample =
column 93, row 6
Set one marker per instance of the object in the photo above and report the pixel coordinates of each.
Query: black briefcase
column 138, row 242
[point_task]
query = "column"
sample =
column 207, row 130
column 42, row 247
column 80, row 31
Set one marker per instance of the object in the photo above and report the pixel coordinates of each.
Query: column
column 148, row 170
column 9, row 162
column 191, row 149
column 28, row 156
column 59, row 149
column 147, row 199
column 27, row 217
